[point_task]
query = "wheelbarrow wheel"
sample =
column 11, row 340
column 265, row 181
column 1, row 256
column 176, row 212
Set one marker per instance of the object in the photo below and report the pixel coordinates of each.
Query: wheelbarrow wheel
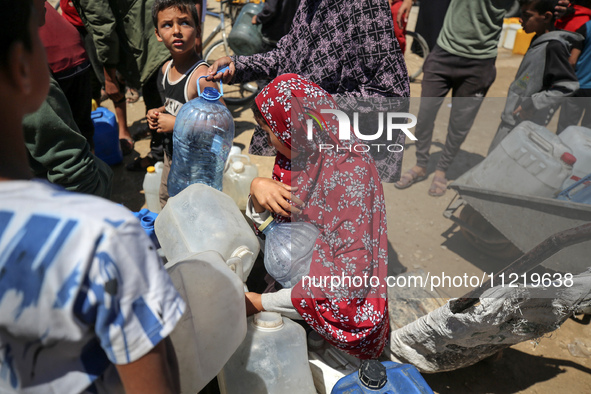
column 489, row 240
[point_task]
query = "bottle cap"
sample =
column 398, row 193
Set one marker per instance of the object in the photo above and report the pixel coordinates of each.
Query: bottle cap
column 210, row 94
column 372, row 374
column 238, row 167
column 568, row 158
column 271, row 320
column 263, row 226
column 151, row 169
column 235, row 150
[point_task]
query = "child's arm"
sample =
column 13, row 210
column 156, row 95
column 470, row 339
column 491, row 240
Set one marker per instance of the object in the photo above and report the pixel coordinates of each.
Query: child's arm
column 202, row 71
column 559, row 81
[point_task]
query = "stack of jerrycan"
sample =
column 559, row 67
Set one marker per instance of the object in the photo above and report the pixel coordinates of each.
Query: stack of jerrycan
column 210, row 250
column 238, row 175
column 531, row 160
column 272, row 359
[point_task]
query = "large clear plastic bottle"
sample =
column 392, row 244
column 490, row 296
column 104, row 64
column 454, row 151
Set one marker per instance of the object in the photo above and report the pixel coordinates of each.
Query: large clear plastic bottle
column 288, row 250
column 202, row 138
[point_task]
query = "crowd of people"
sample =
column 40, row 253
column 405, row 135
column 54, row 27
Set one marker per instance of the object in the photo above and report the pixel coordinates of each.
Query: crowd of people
column 86, row 303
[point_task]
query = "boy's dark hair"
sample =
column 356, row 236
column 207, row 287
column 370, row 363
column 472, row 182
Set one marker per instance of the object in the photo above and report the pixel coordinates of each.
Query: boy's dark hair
column 187, row 6
column 14, row 26
column 541, row 6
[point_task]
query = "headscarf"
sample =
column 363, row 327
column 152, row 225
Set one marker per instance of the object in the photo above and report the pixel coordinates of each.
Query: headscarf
column 343, row 198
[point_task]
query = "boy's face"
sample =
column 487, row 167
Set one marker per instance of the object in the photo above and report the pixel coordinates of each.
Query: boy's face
column 534, row 22
column 176, row 29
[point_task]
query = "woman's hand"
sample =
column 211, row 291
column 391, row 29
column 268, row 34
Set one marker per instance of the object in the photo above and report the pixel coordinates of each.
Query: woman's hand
column 403, row 11
column 165, row 123
column 268, row 194
column 222, row 62
column 560, row 8
column 254, row 303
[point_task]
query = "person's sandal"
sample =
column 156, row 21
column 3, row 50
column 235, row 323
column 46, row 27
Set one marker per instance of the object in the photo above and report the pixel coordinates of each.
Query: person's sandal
column 438, row 187
column 408, row 178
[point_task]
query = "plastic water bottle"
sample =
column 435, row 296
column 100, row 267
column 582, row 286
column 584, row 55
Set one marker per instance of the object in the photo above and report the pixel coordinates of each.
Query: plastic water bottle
column 288, row 250
column 151, row 185
column 202, row 137
column 385, row 377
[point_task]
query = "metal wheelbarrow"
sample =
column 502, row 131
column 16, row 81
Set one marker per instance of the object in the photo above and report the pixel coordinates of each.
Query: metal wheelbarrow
column 506, row 225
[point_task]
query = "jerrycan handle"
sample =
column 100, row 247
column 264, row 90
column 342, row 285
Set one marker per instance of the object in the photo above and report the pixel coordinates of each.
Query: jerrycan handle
column 222, row 70
column 542, row 143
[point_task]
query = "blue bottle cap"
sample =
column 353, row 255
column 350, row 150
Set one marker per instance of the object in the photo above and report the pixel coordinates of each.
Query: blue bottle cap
column 211, row 94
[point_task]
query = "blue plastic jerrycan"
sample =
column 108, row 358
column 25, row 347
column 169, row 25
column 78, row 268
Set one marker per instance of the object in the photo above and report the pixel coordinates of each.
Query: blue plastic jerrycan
column 106, row 136
column 383, row 377
column 147, row 219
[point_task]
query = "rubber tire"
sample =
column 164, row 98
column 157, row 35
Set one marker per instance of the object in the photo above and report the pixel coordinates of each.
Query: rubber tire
column 414, row 61
column 495, row 244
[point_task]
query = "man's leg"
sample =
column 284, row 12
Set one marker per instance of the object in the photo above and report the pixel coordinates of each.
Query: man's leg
column 435, row 86
column 570, row 113
column 472, row 79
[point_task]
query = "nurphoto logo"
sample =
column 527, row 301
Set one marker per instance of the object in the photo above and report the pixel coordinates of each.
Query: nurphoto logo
column 393, row 121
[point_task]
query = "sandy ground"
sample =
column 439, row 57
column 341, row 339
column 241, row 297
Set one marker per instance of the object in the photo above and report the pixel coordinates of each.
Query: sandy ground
column 423, row 240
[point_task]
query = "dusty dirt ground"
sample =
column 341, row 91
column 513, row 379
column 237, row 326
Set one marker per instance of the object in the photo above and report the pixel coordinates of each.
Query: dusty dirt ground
column 423, row 240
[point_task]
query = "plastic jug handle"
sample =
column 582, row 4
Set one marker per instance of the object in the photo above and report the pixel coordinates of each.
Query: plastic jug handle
column 96, row 115
column 542, row 143
column 222, row 70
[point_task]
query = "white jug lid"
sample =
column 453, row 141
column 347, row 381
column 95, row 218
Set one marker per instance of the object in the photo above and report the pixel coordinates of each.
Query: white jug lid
column 268, row 320
column 235, row 150
column 238, row 167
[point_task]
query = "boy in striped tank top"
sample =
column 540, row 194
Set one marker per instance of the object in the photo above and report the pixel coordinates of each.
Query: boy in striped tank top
column 177, row 26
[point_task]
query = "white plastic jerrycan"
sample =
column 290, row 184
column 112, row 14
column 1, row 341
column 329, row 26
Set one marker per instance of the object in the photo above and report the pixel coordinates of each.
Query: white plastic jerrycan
column 214, row 324
column 201, row 218
column 151, row 185
column 272, row 359
column 530, row 161
column 237, row 178
column 578, row 139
